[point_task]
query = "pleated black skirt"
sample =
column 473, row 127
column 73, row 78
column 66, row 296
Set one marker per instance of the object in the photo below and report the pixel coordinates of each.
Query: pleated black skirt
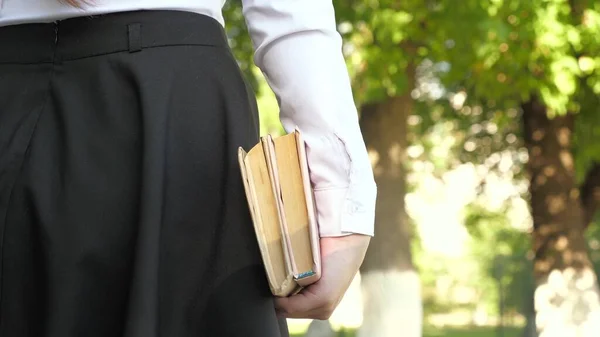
column 122, row 212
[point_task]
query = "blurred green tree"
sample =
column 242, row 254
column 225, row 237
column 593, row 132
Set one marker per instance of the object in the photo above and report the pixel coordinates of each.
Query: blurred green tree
column 241, row 45
column 381, row 46
column 239, row 41
column 540, row 57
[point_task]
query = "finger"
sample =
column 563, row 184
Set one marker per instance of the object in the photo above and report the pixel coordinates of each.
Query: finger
column 303, row 302
column 307, row 304
column 321, row 313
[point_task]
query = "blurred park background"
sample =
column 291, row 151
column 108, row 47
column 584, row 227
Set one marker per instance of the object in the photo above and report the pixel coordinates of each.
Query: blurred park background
column 482, row 118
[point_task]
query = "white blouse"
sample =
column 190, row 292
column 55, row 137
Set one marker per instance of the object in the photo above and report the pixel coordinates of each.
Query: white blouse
column 299, row 51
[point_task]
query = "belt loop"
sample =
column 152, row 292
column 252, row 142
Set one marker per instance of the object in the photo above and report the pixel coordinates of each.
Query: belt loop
column 135, row 37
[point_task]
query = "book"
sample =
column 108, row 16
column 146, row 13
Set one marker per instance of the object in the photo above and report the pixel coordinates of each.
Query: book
column 281, row 201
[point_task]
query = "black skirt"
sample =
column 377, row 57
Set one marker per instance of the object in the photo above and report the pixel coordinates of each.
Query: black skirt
column 122, row 212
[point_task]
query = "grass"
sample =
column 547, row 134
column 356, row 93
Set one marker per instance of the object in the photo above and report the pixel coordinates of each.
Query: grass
column 454, row 332
column 472, row 332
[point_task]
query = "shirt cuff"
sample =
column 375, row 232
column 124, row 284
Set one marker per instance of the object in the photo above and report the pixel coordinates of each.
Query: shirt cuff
column 345, row 211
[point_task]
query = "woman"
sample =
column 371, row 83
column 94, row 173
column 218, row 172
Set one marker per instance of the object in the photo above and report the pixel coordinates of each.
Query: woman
column 121, row 206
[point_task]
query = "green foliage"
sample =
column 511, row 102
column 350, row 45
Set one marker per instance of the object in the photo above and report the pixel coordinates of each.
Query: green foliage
column 499, row 52
column 239, row 40
column 243, row 50
column 593, row 242
column 587, row 133
column 504, row 254
column 514, row 49
column 380, row 38
column 589, row 46
column 504, row 51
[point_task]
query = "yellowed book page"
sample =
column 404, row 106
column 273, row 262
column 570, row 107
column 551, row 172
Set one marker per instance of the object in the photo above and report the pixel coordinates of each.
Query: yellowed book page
column 269, row 149
column 267, row 220
column 312, row 215
column 294, row 201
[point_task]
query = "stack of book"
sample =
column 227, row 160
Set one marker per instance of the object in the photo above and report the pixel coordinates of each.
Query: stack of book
column 281, row 201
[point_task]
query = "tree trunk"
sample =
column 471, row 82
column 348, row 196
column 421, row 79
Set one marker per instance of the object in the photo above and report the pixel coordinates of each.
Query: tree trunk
column 567, row 298
column 530, row 329
column 590, row 193
column 390, row 284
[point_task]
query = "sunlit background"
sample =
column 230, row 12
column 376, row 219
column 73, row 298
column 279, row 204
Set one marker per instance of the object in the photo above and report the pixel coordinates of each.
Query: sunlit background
column 482, row 118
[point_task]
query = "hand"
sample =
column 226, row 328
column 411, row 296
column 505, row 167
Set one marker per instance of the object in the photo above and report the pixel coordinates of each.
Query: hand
column 341, row 258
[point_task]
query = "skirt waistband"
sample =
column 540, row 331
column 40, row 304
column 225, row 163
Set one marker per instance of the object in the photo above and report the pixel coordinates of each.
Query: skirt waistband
column 89, row 36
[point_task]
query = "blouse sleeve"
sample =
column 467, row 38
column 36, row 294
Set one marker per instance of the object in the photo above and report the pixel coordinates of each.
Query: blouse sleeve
column 299, row 51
